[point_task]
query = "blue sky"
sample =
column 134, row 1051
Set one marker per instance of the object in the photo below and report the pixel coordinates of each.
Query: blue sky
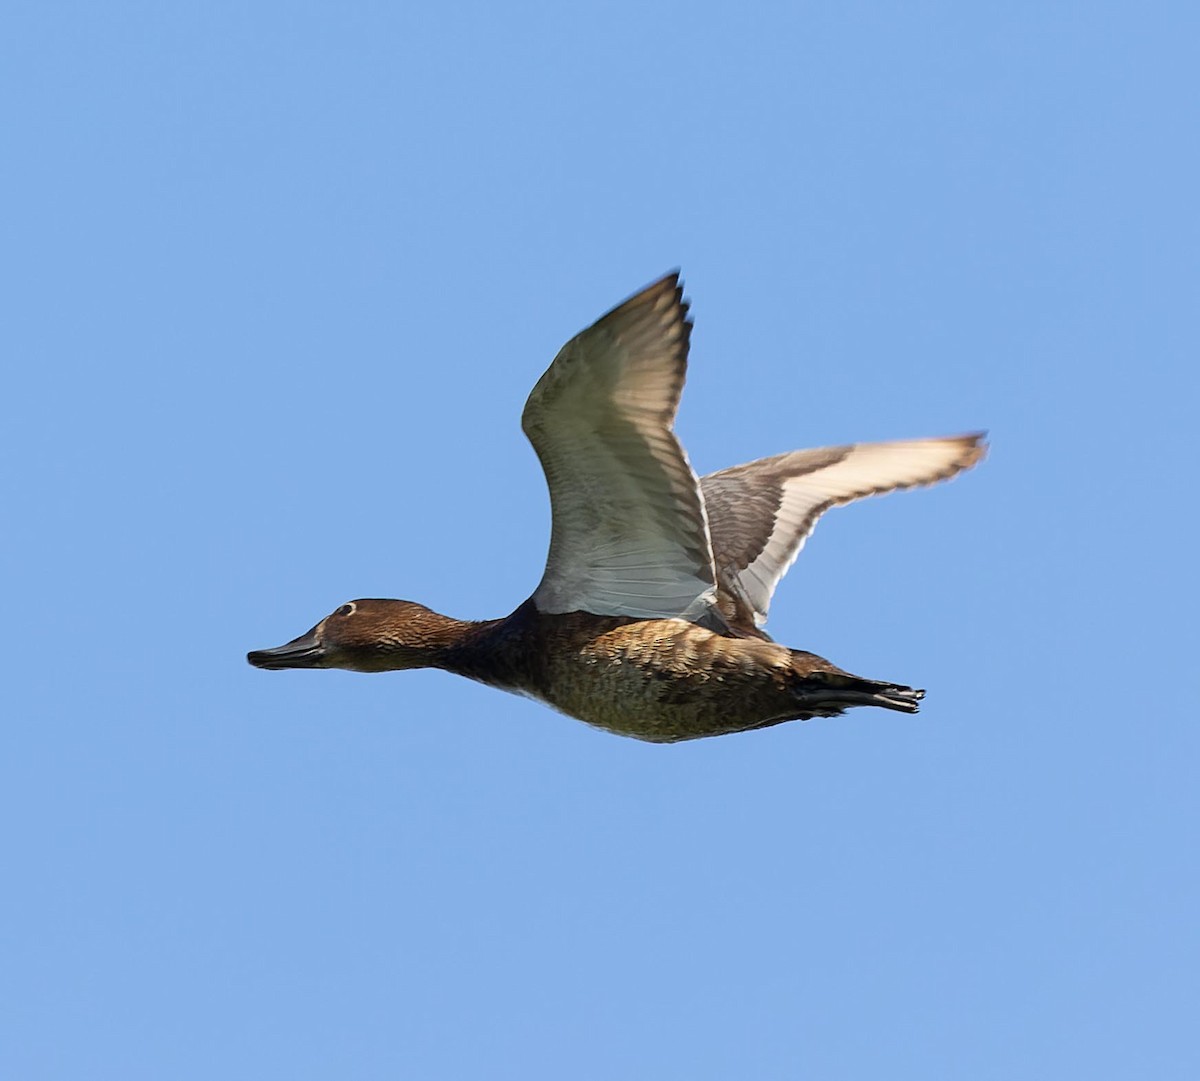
column 277, row 281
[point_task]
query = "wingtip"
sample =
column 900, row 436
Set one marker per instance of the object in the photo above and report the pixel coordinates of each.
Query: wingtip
column 662, row 298
column 670, row 282
column 670, row 285
column 972, row 448
column 667, row 284
column 976, row 446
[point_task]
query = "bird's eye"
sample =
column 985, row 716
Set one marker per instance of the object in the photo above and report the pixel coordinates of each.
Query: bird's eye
column 345, row 610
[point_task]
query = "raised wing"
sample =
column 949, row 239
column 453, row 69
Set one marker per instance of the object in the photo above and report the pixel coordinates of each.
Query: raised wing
column 629, row 535
column 760, row 514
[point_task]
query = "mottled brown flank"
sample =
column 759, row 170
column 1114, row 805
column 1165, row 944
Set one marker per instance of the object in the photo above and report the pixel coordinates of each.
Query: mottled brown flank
column 659, row 680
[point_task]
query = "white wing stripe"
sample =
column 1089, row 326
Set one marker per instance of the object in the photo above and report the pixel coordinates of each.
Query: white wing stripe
column 809, row 483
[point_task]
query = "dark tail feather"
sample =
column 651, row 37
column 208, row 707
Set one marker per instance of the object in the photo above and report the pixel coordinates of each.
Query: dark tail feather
column 828, row 694
column 894, row 696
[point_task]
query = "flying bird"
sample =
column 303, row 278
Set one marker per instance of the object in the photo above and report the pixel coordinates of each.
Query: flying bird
column 648, row 620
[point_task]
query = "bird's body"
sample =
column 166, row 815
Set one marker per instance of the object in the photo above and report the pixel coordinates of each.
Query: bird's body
column 660, row 680
column 648, row 618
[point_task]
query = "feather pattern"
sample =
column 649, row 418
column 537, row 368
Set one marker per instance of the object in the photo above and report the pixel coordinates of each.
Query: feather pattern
column 629, row 534
column 760, row 514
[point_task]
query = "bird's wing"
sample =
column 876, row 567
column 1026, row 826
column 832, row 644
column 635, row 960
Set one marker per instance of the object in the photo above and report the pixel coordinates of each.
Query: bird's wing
column 629, row 534
column 761, row 513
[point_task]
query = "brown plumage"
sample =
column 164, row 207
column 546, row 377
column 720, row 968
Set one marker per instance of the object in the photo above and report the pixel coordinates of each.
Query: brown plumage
column 648, row 618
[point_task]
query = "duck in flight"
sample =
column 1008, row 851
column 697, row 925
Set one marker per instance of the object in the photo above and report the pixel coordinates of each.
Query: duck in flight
column 648, row 619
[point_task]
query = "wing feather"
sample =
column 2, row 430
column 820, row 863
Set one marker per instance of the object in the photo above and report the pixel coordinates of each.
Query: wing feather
column 760, row 514
column 629, row 534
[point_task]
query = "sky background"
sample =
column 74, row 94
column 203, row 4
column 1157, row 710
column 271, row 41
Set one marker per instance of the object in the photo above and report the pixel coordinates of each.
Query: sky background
column 277, row 280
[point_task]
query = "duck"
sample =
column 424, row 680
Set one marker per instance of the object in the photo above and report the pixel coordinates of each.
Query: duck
column 649, row 619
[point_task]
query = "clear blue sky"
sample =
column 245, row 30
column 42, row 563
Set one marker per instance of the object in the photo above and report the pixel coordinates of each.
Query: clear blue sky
column 277, row 280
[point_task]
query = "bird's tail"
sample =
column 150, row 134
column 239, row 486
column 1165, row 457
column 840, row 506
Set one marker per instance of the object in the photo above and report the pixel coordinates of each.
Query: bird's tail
column 871, row 692
column 827, row 690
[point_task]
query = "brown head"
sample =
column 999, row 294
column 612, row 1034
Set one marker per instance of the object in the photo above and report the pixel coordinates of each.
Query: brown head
column 368, row 636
